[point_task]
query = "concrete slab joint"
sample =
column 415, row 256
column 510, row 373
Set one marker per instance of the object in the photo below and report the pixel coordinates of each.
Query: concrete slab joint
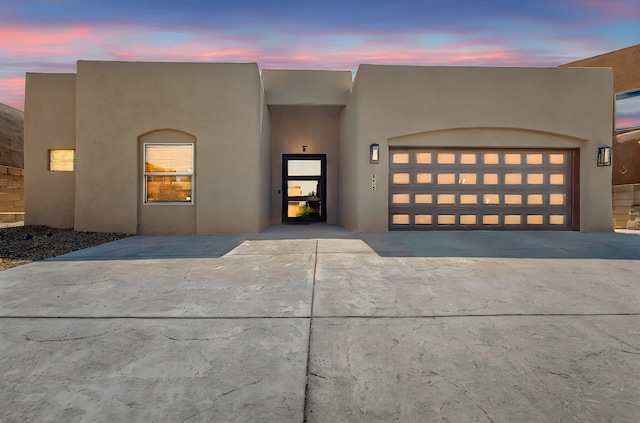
column 297, row 325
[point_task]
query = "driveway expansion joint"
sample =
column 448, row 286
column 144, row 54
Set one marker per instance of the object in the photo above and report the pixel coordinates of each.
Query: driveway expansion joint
column 308, row 368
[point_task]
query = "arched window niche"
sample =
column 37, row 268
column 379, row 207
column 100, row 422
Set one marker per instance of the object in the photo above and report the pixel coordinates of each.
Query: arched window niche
column 168, row 167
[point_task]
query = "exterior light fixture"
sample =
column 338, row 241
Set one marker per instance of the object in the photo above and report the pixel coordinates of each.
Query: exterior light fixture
column 304, row 148
column 374, row 153
column 604, row 156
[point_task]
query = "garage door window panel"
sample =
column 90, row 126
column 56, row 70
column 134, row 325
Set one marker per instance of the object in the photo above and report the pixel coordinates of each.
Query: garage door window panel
column 424, row 219
column 424, row 199
column 467, row 179
column 446, row 179
column 400, row 158
column 535, row 179
column 400, row 219
column 423, row 158
column 491, row 179
column 401, row 178
column 491, row 158
column 467, row 159
column 535, row 219
column 447, row 219
column 446, row 199
column 424, row 178
column 556, row 199
column 468, row 199
column 490, row 219
column 446, row 158
column 513, row 179
column 535, row 199
column 401, row 198
column 556, row 179
column 468, row 219
column 512, row 219
column 556, row 159
column 556, row 220
column 513, row 199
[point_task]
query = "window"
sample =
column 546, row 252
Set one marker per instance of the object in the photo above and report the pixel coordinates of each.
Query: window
column 628, row 109
column 62, row 160
column 168, row 173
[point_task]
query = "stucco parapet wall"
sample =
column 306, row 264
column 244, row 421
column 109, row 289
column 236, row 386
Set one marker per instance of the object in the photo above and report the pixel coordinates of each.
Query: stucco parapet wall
column 396, row 100
column 306, row 87
column 122, row 104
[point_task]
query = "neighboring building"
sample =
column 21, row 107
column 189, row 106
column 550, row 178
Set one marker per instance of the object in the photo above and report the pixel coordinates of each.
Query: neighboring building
column 11, row 165
column 626, row 138
column 215, row 147
column 626, row 85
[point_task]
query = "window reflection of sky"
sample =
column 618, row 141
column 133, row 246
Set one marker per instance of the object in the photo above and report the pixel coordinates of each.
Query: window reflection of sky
column 628, row 109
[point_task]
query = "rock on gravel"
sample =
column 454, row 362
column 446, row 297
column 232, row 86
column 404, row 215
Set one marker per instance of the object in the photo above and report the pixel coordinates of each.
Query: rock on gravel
column 25, row 244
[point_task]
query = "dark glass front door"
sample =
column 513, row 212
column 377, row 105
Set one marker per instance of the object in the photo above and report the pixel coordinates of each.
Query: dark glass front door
column 303, row 188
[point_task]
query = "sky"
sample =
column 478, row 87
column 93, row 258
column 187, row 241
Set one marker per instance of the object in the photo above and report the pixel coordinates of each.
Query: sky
column 51, row 35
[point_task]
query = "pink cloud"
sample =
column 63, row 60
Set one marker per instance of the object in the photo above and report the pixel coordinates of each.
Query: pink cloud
column 28, row 35
column 12, row 90
column 616, row 9
column 34, row 41
column 51, row 49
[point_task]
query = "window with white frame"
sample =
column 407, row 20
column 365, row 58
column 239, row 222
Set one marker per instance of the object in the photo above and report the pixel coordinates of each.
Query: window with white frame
column 168, row 173
column 62, row 160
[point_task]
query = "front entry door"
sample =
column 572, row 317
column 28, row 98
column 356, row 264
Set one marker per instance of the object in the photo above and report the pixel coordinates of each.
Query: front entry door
column 304, row 188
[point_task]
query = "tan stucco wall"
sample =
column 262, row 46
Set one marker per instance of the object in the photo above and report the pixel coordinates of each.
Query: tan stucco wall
column 566, row 107
column 306, row 87
column 241, row 125
column 265, row 164
column 317, row 128
column 49, row 123
column 218, row 103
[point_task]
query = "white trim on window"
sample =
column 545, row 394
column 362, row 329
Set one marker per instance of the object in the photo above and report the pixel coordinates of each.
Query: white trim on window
column 182, row 170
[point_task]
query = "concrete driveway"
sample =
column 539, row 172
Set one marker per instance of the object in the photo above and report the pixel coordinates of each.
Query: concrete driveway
column 318, row 324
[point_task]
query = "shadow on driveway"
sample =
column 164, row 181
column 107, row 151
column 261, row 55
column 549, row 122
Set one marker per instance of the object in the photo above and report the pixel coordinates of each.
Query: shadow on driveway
column 464, row 244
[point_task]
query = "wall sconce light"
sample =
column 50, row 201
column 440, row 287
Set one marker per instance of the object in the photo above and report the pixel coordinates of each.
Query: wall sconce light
column 604, row 156
column 304, row 148
column 374, row 153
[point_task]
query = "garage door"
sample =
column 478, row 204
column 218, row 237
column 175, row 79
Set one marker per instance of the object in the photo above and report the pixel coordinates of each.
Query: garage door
column 479, row 189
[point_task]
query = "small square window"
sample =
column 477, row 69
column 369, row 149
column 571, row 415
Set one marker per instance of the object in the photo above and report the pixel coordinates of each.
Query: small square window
column 62, row 160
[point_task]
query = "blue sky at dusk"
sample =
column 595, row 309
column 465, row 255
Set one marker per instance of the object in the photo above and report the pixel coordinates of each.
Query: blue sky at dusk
column 51, row 35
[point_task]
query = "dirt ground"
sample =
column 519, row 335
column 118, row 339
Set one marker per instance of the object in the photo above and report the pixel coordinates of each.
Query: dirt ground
column 21, row 244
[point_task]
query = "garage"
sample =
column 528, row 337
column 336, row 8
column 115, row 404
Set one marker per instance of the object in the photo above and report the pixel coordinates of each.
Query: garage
column 512, row 189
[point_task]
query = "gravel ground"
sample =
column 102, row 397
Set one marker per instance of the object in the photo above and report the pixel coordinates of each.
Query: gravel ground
column 25, row 244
